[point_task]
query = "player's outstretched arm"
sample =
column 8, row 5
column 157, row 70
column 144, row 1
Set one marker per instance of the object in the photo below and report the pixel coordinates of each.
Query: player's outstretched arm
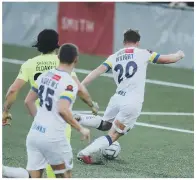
column 65, row 112
column 170, row 58
column 85, row 96
column 94, row 74
column 30, row 102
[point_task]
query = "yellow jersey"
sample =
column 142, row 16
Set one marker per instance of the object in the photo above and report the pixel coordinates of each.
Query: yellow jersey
column 32, row 68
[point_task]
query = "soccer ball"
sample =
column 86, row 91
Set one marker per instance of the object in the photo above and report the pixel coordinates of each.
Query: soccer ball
column 112, row 151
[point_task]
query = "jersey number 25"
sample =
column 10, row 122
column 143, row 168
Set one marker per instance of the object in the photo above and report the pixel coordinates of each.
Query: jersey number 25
column 48, row 99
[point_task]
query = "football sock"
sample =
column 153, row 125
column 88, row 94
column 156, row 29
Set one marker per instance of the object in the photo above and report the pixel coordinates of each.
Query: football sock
column 13, row 172
column 90, row 120
column 100, row 143
column 50, row 172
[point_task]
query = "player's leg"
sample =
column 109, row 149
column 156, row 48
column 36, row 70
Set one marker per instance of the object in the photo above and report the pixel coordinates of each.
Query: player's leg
column 124, row 121
column 101, row 123
column 103, row 141
column 49, row 170
column 93, row 121
column 14, row 172
column 36, row 164
column 61, row 172
column 36, row 173
column 61, row 159
column 36, row 161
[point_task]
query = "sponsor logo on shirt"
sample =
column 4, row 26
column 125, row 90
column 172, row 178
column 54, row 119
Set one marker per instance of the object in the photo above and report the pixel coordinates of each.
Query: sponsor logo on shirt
column 129, row 50
column 56, row 77
column 69, row 88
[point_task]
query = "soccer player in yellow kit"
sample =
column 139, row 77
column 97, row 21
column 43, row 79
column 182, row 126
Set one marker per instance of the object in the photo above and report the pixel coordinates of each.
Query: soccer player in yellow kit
column 47, row 44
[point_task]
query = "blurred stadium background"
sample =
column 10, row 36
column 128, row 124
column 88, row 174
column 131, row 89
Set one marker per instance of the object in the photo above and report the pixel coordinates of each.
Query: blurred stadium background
column 161, row 145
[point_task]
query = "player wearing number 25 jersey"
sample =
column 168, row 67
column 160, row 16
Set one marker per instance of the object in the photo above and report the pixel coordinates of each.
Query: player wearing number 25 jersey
column 128, row 67
column 46, row 141
column 47, row 133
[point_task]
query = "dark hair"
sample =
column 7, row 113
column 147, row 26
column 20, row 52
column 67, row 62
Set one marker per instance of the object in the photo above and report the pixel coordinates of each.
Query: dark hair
column 47, row 41
column 68, row 53
column 131, row 36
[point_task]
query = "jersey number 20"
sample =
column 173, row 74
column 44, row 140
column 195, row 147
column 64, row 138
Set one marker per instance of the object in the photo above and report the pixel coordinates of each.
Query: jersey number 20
column 125, row 72
column 47, row 99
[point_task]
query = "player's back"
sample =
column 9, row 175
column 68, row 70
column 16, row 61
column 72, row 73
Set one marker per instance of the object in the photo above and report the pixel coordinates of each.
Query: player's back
column 34, row 67
column 51, row 85
column 129, row 70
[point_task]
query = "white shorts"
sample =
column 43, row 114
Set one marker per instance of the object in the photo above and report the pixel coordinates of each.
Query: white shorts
column 42, row 152
column 124, row 109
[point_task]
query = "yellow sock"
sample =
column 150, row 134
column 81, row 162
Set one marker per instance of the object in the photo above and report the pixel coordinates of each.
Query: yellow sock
column 49, row 171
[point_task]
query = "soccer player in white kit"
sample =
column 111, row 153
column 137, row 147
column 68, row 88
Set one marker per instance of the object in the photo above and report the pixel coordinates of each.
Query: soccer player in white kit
column 46, row 142
column 129, row 72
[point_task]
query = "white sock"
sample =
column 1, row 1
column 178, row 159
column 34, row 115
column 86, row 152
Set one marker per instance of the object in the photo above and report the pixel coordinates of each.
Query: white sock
column 90, row 120
column 100, row 143
column 13, row 172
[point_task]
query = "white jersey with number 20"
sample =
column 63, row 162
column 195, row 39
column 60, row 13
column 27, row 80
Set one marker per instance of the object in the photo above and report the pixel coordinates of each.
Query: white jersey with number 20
column 129, row 69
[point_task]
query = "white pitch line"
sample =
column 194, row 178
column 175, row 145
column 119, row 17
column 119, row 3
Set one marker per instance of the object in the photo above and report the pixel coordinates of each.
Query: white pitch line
column 150, row 125
column 164, row 127
column 83, row 71
column 152, row 113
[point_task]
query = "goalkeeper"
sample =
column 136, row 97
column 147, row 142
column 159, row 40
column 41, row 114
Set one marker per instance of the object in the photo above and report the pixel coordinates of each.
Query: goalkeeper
column 47, row 45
